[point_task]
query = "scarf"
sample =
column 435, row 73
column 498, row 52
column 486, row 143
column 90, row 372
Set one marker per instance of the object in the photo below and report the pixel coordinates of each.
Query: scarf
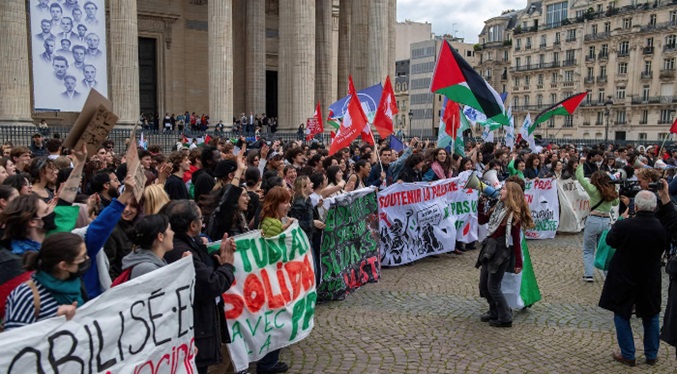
column 437, row 168
column 499, row 214
column 21, row 246
column 63, row 291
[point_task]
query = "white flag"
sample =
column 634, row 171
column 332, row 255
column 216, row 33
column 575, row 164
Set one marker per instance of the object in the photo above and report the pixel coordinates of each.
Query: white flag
column 510, row 131
column 524, row 131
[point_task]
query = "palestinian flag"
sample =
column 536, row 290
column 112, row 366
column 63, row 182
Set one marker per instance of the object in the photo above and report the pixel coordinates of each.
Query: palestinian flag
column 454, row 78
column 459, row 143
column 565, row 107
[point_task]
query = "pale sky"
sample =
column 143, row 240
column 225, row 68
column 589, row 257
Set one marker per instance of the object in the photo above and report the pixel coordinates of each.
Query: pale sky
column 465, row 17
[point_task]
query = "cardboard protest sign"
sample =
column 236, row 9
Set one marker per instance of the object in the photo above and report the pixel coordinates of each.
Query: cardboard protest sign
column 93, row 124
column 574, row 205
column 142, row 326
column 349, row 255
column 542, row 198
column 421, row 219
column 272, row 302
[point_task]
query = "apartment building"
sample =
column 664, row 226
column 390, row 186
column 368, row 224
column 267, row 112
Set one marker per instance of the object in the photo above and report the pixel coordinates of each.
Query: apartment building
column 622, row 52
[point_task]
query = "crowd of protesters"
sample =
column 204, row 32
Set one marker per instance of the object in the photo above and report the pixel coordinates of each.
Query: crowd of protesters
column 244, row 124
column 225, row 188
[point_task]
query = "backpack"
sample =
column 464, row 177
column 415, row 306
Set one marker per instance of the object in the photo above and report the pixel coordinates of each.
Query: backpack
column 123, row 277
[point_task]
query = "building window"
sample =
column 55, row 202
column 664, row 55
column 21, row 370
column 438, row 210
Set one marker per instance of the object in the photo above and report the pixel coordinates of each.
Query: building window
column 540, row 79
column 568, row 121
column 652, row 20
column 627, row 23
column 669, row 63
column 553, row 98
column 528, row 61
column 622, row 68
column 663, row 135
column 555, row 57
column 556, row 13
column 553, row 78
column 516, row 102
column 673, row 17
column 607, row 27
column 526, row 101
column 644, row 118
column 666, row 116
column 539, row 100
column 642, row 136
column 591, row 72
column 505, row 55
column 604, row 50
column 541, row 60
column 557, row 39
column 649, row 42
column 620, row 93
column 602, row 71
column 671, row 40
column 600, row 118
column 526, row 80
column 601, row 96
column 623, row 48
column 528, row 45
column 518, row 44
column 517, row 81
column 647, row 67
column 593, row 29
column 569, row 76
column 543, row 41
column 495, row 33
column 645, row 93
column 518, row 62
column 620, row 117
column 571, row 35
column 551, row 122
column 591, row 52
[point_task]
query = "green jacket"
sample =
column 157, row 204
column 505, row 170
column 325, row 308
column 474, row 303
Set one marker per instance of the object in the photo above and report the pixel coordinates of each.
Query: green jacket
column 594, row 194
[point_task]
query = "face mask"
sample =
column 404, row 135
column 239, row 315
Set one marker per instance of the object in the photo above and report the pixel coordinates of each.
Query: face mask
column 83, row 267
column 48, row 222
column 598, row 163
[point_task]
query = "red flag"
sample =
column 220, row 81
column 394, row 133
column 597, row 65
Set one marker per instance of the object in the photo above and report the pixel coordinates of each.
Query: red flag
column 207, row 139
column 452, row 118
column 353, row 124
column 673, row 129
column 387, row 108
column 184, row 140
column 316, row 126
column 366, row 131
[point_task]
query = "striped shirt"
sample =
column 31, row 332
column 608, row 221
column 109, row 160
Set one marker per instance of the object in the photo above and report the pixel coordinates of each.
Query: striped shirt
column 21, row 307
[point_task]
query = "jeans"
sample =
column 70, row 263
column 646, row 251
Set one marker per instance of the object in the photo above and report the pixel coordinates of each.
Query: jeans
column 626, row 342
column 594, row 226
column 269, row 360
column 490, row 288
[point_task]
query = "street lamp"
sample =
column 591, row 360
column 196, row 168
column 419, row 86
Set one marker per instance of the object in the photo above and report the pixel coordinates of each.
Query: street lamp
column 411, row 116
column 607, row 112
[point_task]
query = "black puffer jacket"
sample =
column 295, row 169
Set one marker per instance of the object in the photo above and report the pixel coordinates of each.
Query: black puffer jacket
column 211, row 281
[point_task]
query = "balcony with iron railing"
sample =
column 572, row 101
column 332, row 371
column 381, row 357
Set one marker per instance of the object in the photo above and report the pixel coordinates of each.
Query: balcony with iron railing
column 603, row 56
column 527, row 46
column 569, row 62
column 646, row 75
column 659, row 26
column 623, row 53
column 664, row 121
column 667, row 74
column 570, row 39
column 647, row 50
column 637, row 100
column 568, row 84
column 589, row 80
column 542, row 46
column 601, row 79
column 621, row 123
column 597, row 36
column 556, row 43
column 590, row 58
column 518, row 48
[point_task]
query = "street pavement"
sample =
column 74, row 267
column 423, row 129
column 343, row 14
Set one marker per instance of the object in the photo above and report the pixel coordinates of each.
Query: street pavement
column 424, row 318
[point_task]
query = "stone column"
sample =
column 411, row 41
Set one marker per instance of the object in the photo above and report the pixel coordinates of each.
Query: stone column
column 359, row 43
column 344, row 51
column 255, row 55
column 392, row 36
column 323, row 50
column 124, row 61
column 239, row 60
column 220, row 61
column 378, row 46
column 15, row 89
column 297, row 63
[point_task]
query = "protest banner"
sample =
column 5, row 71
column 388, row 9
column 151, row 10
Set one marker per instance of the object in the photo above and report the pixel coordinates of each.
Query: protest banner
column 574, row 205
column 145, row 325
column 271, row 304
column 349, row 251
column 541, row 194
column 421, row 219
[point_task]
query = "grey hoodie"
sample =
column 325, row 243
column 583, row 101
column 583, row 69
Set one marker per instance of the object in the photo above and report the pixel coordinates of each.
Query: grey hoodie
column 143, row 261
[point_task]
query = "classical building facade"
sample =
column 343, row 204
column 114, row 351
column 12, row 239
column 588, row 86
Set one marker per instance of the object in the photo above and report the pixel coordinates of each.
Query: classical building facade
column 221, row 58
column 621, row 52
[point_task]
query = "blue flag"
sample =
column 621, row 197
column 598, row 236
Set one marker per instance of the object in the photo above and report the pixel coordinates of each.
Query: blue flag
column 396, row 144
column 369, row 98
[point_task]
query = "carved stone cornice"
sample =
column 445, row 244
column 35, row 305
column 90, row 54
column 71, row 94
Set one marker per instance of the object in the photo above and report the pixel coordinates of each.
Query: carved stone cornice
column 158, row 23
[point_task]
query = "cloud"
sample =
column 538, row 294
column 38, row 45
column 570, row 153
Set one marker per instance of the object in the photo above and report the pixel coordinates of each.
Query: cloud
column 462, row 18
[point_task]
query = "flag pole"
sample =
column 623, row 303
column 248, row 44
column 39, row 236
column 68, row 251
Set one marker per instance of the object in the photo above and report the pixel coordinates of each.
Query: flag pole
column 453, row 139
column 660, row 151
column 378, row 156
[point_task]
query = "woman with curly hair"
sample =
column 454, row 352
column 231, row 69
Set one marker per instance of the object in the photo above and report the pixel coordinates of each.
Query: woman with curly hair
column 440, row 165
column 603, row 196
column 502, row 250
column 532, row 167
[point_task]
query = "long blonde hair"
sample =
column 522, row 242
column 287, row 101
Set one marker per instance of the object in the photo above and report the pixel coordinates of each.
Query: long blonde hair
column 516, row 204
column 154, row 198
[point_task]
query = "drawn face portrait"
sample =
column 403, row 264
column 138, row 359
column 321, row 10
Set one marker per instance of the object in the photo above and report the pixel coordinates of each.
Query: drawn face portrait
column 92, row 41
column 46, row 27
column 77, row 15
column 60, row 67
column 90, row 9
column 56, row 12
column 49, row 46
column 66, row 24
column 90, row 73
column 65, row 44
column 69, row 82
column 82, row 29
column 78, row 54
